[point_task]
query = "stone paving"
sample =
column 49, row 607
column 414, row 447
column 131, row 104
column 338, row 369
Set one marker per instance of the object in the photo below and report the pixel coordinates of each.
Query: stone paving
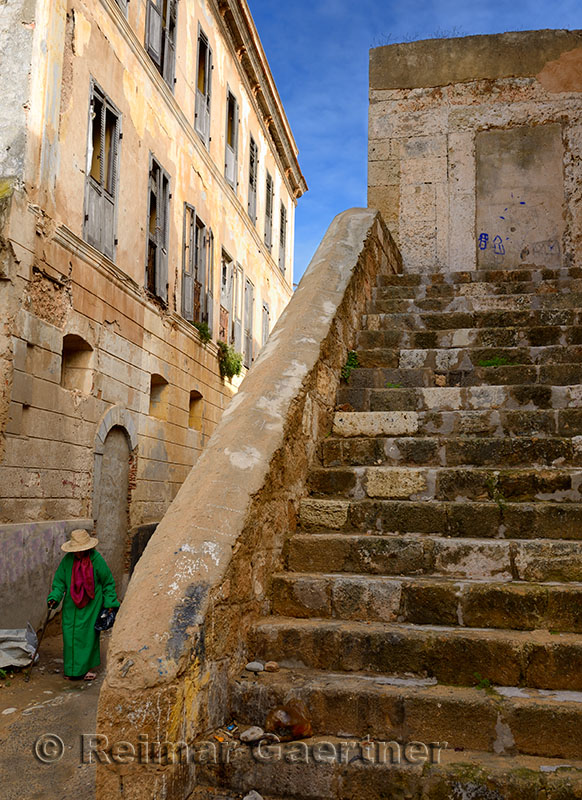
column 32, row 714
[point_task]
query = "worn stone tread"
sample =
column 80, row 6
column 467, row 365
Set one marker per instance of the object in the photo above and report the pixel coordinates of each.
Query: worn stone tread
column 398, row 289
column 458, row 278
column 470, row 303
column 465, row 717
column 531, row 560
column 446, row 359
column 562, row 374
column 429, row 600
column 447, row 450
column 445, row 321
column 494, row 422
column 462, row 398
column 469, row 518
column 484, row 337
column 451, row 655
column 366, row 775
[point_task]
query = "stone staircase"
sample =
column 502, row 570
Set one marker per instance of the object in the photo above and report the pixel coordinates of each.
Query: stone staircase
column 432, row 591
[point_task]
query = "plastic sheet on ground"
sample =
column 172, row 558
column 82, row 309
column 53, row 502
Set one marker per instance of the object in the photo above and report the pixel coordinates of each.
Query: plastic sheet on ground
column 17, row 646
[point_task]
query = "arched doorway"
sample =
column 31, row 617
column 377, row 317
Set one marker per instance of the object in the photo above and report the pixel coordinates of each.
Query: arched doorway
column 111, row 524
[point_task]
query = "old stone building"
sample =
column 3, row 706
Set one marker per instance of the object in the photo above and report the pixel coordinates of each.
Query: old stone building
column 148, row 181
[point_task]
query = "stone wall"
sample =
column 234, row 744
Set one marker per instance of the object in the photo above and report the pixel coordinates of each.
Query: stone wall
column 474, row 147
column 205, row 573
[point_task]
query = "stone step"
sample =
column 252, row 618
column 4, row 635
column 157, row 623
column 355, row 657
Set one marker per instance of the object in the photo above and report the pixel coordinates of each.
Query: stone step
column 448, row 359
column 521, row 374
column 450, row 451
column 537, row 659
column 329, row 767
column 531, row 273
column 541, row 336
column 465, row 519
column 509, row 721
column 472, row 319
column 429, row 601
column 501, row 484
column 468, row 398
column 565, row 422
column 472, row 303
column 481, row 288
column 529, row 560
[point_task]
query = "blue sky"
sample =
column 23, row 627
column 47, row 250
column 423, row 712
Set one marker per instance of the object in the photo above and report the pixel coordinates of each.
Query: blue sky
column 318, row 52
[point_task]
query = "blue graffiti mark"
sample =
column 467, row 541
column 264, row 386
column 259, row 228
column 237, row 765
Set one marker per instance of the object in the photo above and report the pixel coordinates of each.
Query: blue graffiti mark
column 498, row 247
column 522, row 202
column 501, row 217
column 483, row 239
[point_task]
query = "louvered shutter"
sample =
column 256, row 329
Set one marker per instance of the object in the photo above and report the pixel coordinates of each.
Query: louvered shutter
column 169, row 68
column 238, row 298
column 163, row 235
column 252, row 205
column 154, row 32
column 210, row 292
column 187, row 275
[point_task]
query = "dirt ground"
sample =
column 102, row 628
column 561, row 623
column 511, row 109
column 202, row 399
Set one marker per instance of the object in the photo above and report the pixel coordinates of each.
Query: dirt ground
column 48, row 706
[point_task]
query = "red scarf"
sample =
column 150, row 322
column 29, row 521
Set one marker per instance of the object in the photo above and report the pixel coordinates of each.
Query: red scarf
column 82, row 581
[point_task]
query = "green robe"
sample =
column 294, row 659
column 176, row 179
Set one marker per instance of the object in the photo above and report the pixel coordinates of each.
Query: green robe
column 80, row 639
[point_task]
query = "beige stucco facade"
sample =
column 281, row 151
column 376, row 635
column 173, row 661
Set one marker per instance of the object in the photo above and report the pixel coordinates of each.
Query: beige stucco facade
column 87, row 346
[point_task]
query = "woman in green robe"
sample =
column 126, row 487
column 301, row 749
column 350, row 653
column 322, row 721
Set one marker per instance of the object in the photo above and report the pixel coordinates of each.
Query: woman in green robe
column 84, row 583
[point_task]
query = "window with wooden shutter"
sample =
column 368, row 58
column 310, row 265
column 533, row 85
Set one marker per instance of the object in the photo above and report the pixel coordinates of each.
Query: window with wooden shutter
column 226, row 297
column 282, row 237
column 253, row 161
column 197, row 272
column 231, row 150
column 266, row 324
column 161, row 21
column 203, row 88
column 101, row 186
column 158, row 231
column 236, row 334
column 248, row 323
column 209, row 319
column 269, row 212
column 188, row 250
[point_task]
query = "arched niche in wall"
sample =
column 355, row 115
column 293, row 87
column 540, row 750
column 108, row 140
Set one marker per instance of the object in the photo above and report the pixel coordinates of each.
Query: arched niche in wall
column 77, row 364
column 115, row 442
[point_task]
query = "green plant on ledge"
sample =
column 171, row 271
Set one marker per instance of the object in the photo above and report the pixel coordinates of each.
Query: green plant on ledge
column 351, row 363
column 204, row 331
column 496, row 361
column 229, row 361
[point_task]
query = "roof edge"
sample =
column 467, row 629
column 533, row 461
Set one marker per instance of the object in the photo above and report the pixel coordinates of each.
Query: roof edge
column 244, row 38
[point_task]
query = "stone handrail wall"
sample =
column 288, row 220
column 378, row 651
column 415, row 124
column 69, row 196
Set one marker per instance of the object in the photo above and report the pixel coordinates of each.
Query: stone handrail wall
column 203, row 578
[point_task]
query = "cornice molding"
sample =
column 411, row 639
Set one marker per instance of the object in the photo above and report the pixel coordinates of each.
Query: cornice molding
column 237, row 22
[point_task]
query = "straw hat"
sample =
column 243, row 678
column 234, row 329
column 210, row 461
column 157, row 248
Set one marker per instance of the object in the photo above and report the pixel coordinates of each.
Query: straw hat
column 80, row 540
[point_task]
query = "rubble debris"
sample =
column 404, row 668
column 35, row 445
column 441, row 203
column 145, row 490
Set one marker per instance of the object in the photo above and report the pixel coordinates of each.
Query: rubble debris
column 252, row 796
column 252, row 734
column 271, row 666
column 254, row 666
column 290, row 721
